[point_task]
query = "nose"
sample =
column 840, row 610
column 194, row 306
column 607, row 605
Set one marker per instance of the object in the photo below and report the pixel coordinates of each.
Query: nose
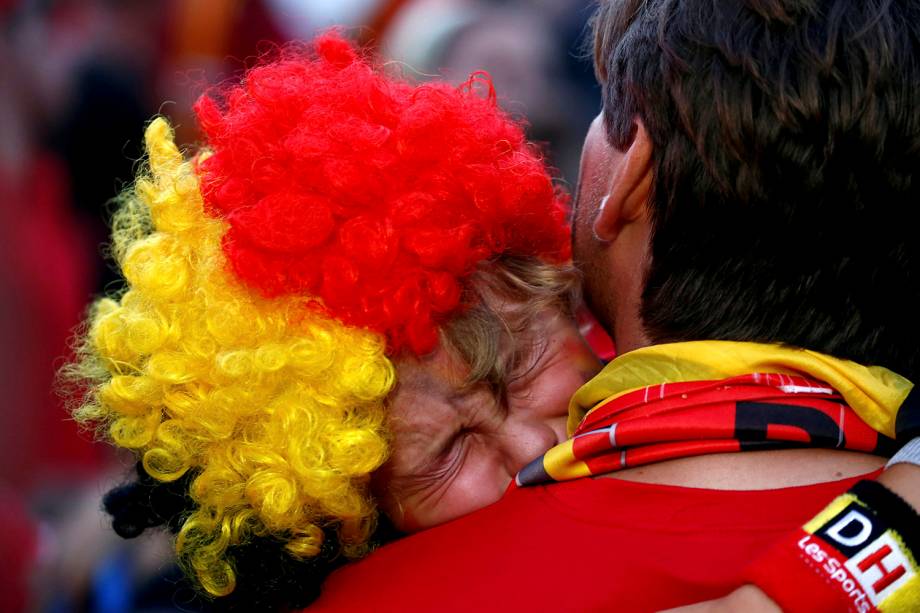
column 524, row 440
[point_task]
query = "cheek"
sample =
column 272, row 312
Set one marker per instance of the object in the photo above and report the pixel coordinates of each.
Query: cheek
column 584, row 248
column 597, row 167
column 582, row 362
column 593, row 182
column 478, row 482
column 574, row 367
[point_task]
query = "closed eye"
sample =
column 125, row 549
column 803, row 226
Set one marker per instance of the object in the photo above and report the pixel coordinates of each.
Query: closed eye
column 433, row 476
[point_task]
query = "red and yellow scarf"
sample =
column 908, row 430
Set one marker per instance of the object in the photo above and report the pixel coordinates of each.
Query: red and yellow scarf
column 684, row 399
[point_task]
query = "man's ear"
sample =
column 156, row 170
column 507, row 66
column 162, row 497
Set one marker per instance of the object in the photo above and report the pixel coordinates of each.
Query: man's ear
column 629, row 188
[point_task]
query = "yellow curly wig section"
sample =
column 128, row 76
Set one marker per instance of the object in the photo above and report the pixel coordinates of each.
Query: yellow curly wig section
column 279, row 407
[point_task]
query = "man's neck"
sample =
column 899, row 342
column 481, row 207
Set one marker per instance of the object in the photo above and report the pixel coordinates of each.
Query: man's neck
column 755, row 470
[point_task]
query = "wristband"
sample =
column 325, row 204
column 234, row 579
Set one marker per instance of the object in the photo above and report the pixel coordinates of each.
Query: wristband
column 855, row 555
column 908, row 454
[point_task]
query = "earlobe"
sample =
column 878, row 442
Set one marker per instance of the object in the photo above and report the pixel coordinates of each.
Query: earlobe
column 597, row 228
column 629, row 188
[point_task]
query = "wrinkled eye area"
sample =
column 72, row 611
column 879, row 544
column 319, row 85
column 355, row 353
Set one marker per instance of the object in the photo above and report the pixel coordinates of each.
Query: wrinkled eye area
column 436, row 469
column 449, row 458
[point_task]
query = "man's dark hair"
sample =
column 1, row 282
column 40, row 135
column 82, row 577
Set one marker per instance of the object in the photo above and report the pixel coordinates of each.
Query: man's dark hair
column 786, row 139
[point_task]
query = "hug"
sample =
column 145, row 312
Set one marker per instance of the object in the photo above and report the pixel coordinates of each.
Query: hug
column 350, row 316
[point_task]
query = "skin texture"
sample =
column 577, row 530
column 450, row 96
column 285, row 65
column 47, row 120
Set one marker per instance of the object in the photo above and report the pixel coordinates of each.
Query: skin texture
column 747, row 598
column 611, row 231
column 904, row 480
column 456, row 448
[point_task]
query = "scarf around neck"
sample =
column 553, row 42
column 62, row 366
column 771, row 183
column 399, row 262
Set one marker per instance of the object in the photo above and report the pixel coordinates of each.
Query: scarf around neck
column 683, row 399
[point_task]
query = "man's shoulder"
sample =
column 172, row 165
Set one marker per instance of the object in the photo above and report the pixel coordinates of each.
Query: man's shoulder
column 414, row 572
column 490, row 529
column 630, row 538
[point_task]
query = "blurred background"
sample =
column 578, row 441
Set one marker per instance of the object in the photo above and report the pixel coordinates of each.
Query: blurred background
column 78, row 81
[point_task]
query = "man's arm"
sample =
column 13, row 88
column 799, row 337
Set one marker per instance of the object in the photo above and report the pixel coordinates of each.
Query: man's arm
column 747, row 598
column 902, row 478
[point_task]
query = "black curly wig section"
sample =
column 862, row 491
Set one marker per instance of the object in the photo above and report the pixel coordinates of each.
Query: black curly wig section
column 268, row 578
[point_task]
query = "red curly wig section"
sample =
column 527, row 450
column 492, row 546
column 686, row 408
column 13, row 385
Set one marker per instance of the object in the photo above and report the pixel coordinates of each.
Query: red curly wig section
column 375, row 195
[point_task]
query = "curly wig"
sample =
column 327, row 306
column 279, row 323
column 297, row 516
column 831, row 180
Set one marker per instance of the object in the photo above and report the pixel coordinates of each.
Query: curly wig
column 374, row 195
column 333, row 219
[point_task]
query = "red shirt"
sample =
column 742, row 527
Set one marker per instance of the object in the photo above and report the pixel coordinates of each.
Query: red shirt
column 584, row 545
